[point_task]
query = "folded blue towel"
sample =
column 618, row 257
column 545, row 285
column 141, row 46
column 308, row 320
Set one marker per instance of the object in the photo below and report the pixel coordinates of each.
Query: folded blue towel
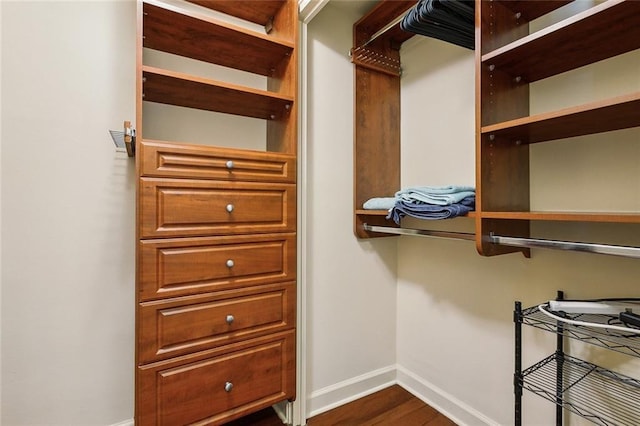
column 439, row 195
column 419, row 210
column 380, row 203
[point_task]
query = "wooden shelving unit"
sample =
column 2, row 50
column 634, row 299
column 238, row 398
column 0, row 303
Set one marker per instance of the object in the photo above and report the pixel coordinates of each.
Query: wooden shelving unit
column 600, row 395
column 602, row 32
column 508, row 59
column 377, row 111
column 216, row 226
column 191, row 33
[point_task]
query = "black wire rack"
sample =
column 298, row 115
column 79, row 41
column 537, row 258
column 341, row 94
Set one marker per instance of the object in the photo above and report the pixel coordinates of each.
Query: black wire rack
column 620, row 341
column 602, row 396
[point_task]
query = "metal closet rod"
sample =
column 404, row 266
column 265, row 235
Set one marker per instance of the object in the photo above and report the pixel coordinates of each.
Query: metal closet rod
column 614, row 250
column 420, row 232
column 625, row 251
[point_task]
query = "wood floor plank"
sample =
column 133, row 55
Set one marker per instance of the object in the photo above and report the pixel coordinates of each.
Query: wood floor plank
column 405, row 414
column 361, row 411
column 391, row 406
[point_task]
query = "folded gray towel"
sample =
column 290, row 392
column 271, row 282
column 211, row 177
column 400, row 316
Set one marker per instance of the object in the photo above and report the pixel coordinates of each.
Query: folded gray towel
column 439, row 195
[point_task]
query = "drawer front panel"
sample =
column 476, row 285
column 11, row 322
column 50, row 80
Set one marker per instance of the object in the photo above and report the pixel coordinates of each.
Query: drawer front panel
column 184, row 266
column 189, row 324
column 217, row 387
column 193, row 207
column 162, row 159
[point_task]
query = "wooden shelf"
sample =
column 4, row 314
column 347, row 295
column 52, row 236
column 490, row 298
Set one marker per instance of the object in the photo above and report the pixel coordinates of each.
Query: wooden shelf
column 601, row 32
column 566, row 216
column 380, row 17
column 173, row 88
column 612, row 114
column 179, row 31
column 372, row 212
column 508, row 58
column 257, row 11
column 535, row 9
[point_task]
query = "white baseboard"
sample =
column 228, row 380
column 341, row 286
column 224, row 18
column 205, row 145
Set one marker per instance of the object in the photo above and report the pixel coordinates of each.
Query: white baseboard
column 349, row 390
column 442, row 401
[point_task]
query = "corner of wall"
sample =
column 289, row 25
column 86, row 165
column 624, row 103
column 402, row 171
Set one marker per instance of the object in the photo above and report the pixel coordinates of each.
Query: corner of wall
column 445, row 403
column 349, row 390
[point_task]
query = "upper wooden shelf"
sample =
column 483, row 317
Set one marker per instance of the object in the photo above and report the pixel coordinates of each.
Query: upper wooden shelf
column 531, row 10
column 617, row 113
column 381, row 16
column 614, row 217
column 180, row 89
column 256, row 11
column 182, row 32
column 601, row 32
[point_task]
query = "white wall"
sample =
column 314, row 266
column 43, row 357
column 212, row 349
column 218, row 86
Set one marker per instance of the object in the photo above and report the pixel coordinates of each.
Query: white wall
column 0, row 214
column 68, row 76
column 351, row 288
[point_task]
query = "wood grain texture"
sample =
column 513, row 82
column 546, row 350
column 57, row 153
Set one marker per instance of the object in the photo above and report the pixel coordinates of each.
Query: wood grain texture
column 399, row 408
column 182, row 207
column 601, row 32
column 188, row 324
column 216, row 226
column 191, row 389
column 502, row 167
column 376, row 138
column 181, row 32
column 180, row 160
column 282, row 131
column 390, row 406
column 508, row 59
column 603, row 116
column 179, row 89
column 257, row 11
column 531, row 10
column 176, row 267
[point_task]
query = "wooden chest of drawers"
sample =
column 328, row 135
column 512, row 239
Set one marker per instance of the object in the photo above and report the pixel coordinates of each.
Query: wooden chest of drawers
column 216, row 284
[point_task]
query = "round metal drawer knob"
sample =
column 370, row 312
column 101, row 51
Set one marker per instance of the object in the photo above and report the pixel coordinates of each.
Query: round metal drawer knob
column 229, row 208
column 230, row 319
column 228, row 386
column 230, row 164
column 230, row 263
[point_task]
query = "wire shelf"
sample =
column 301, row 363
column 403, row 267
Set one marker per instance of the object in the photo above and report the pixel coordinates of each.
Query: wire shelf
column 626, row 343
column 602, row 396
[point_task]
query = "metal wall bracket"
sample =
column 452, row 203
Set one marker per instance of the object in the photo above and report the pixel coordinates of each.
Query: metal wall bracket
column 125, row 139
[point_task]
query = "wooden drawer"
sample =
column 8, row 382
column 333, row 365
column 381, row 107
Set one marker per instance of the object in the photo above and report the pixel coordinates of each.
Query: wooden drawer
column 195, row 389
column 188, row 324
column 183, row 266
column 163, row 159
column 185, row 207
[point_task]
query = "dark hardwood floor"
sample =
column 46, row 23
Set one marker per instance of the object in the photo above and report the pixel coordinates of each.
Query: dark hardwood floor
column 390, row 406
